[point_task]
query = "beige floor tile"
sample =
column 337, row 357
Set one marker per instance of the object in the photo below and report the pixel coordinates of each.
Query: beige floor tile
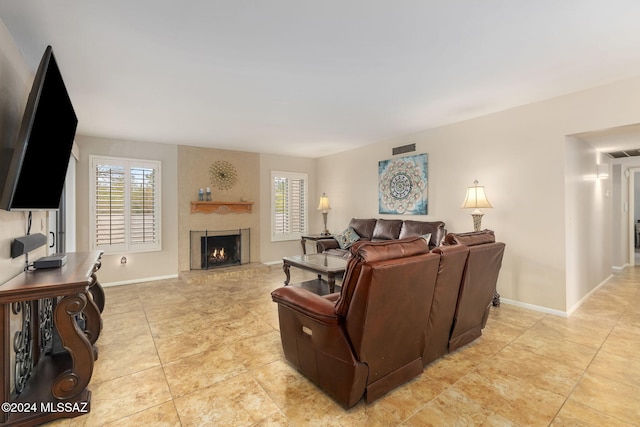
column 239, row 401
column 258, row 351
column 404, row 401
column 209, row 353
column 538, row 371
column 615, row 399
column 189, row 343
column 201, row 370
column 616, row 367
column 575, row 330
column 164, row 415
column 510, row 398
column 573, row 414
column 320, row 410
column 177, row 326
column 284, row 384
column 118, row 359
column 453, row 408
column 125, row 396
column 555, row 347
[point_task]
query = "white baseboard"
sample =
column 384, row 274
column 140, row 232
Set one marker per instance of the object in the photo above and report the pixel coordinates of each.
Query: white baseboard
column 273, row 262
column 618, row 268
column 534, row 307
column 144, row 279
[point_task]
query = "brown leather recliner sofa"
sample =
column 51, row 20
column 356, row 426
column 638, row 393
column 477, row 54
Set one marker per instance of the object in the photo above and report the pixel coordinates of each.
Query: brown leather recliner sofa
column 377, row 230
column 401, row 306
column 478, row 285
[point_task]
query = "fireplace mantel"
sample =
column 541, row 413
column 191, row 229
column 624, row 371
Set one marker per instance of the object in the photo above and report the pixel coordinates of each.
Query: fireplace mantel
column 222, row 207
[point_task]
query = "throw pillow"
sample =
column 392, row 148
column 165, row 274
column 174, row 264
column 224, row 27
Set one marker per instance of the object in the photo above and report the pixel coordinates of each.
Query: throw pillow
column 427, row 237
column 347, row 238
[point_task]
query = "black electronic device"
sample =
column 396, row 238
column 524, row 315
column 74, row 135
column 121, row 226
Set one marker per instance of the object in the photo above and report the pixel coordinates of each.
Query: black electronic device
column 26, row 244
column 35, row 175
column 51, row 261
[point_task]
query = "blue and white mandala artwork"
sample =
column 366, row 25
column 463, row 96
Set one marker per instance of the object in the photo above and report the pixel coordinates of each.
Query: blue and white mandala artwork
column 402, row 185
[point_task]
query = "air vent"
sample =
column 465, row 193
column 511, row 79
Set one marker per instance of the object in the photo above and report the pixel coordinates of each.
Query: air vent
column 625, row 153
column 403, row 149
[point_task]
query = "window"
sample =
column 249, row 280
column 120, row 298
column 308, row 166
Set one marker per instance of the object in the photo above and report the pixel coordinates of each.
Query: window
column 288, row 205
column 125, row 204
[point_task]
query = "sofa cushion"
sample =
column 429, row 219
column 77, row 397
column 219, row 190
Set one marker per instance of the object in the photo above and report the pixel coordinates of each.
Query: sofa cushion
column 363, row 227
column 420, row 228
column 470, row 239
column 347, row 238
column 387, row 229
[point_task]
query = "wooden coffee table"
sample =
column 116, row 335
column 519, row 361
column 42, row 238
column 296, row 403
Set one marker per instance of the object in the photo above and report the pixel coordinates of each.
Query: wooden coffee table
column 322, row 264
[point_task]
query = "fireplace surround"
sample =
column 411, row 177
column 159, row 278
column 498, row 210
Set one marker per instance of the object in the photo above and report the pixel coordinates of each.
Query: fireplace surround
column 219, row 248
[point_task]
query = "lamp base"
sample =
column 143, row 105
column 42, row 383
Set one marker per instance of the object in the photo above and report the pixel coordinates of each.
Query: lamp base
column 325, row 232
column 477, row 221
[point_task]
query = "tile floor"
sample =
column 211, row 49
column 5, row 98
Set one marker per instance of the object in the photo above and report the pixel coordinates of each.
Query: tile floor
column 178, row 354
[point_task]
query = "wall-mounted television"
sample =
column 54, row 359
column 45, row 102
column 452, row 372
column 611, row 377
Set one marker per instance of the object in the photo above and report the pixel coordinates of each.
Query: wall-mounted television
column 38, row 167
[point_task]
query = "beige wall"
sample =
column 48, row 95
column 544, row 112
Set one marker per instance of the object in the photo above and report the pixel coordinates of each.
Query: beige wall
column 193, row 164
column 142, row 265
column 15, row 83
column 274, row 251
column 587, row 202
column 519, row 155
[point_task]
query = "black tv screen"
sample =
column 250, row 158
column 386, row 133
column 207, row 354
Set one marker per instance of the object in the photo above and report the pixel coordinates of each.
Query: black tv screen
column 38, row 167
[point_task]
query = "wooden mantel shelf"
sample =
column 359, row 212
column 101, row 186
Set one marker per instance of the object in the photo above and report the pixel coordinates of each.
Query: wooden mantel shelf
column 222, row 207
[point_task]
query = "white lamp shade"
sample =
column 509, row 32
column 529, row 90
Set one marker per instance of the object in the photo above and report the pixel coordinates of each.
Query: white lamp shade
column 324, row 203
column 476, row 198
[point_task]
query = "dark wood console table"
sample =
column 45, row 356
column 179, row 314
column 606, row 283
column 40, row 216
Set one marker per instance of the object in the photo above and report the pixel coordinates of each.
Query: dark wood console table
column 58, row 303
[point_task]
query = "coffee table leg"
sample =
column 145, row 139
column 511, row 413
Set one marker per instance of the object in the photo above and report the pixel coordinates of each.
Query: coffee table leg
column 331, row 281
column 286, row 267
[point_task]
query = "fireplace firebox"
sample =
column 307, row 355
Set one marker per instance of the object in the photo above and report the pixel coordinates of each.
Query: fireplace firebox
column 216, row 249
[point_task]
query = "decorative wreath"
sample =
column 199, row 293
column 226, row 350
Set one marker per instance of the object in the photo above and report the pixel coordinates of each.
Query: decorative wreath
column 223, row 174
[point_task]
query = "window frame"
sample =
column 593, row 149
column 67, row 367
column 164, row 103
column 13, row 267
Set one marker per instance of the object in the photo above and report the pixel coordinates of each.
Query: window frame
column 128, row 163
column 290, row 176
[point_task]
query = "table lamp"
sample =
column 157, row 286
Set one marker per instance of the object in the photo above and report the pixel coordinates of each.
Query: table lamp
column 324, row 207
column 476, row 199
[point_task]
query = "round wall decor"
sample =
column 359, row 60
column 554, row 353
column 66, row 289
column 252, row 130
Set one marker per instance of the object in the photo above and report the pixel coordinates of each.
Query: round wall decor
column 223, row 175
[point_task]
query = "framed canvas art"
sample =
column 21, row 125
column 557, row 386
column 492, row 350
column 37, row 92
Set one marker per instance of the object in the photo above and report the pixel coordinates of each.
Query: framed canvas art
column 402, row 185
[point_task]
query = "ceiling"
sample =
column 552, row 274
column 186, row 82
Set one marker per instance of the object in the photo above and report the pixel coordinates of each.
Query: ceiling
column 311, row 78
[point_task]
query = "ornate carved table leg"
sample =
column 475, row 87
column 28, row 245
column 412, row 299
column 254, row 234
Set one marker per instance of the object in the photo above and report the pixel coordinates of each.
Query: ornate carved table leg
column 96, row 289
column 93, row 321
column 73, row 381
column 285, row 268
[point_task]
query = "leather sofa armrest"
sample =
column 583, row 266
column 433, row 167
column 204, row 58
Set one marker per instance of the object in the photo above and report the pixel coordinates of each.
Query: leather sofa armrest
column 324, row 244
column 307, row 303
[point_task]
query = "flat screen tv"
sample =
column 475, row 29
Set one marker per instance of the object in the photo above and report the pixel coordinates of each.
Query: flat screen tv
column 38, row 167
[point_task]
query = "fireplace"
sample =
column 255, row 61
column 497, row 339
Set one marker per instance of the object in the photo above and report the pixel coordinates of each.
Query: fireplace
column 216, row 249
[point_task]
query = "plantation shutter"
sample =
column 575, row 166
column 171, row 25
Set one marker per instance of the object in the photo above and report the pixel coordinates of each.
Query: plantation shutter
column 142, row 211
column 110, row 205
column 297, row 206
column 125, row 204
column 289, row 201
